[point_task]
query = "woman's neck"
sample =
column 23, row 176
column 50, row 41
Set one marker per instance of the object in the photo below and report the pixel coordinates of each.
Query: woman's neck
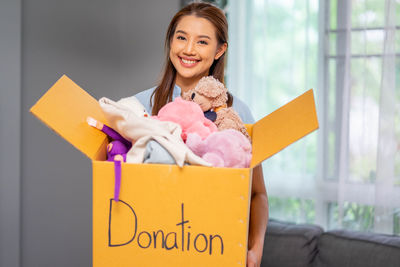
column 186, row 85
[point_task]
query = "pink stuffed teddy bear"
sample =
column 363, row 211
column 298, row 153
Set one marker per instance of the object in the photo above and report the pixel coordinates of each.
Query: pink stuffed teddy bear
column 189, row 116
column 226, row 148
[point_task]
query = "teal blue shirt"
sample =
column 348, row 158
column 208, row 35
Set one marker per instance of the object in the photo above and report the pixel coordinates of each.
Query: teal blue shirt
column 239, row 106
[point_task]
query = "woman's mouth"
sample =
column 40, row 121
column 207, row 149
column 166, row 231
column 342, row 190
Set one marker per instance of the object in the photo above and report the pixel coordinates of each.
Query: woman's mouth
column 188, row 63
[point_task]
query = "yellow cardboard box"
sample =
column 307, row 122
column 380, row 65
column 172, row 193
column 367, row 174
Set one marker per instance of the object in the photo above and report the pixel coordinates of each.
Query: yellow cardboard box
column 169, row 216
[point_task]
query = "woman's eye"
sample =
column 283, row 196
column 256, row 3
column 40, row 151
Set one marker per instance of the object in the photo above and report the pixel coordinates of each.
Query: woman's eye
column 180, row 38
column 203, row 42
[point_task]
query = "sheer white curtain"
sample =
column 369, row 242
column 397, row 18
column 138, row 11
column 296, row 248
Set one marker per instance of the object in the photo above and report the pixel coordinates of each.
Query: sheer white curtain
column 347, row 175
column 273, row 56
column 387, row 192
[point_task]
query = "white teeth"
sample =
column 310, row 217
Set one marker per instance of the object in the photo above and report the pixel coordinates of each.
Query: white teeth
column 188, row 61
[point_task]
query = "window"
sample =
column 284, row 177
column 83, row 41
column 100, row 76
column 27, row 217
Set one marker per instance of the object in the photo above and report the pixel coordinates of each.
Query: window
column 347, row 174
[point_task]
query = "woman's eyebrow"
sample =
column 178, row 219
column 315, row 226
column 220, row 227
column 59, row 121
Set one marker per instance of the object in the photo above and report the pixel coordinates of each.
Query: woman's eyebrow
column 204, row 36
column 180, row 31
column 200, row 36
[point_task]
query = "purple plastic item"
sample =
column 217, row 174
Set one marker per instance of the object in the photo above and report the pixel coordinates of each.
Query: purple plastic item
column 117, row 186
column 119, row 145
column 116, row 148
column 115, row 136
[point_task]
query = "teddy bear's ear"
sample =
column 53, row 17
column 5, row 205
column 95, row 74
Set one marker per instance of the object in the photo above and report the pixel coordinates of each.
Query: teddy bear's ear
column 210, row 87
column 220, row 100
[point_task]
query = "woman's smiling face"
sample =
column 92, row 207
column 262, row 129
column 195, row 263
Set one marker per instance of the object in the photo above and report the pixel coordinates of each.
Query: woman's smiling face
column 194, row 47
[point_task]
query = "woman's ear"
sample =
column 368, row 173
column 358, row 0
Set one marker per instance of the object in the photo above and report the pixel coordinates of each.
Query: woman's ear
column 221, row 50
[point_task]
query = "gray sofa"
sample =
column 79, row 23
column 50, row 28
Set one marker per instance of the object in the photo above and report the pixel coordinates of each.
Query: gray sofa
column 298, row 245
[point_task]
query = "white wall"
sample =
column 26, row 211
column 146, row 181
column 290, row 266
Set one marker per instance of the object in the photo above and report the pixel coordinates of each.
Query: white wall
column 110, row 48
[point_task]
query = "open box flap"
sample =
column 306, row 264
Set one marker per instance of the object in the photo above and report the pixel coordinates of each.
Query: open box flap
column 64, row 108
column 283, row 127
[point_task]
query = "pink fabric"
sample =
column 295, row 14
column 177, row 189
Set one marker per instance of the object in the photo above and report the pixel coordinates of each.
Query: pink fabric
column 227, row 148
column 189, row 116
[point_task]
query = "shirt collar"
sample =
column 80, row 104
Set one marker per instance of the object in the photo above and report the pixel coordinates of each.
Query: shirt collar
column 176, row 93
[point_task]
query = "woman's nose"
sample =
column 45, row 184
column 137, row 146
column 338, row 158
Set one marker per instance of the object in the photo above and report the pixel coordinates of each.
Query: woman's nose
column 189, row 48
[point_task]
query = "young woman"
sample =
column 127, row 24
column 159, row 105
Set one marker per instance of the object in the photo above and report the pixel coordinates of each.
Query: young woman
column 196, row 44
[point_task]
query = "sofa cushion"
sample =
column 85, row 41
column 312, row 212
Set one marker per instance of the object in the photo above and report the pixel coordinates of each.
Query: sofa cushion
column 288, row 244
column 353, row 249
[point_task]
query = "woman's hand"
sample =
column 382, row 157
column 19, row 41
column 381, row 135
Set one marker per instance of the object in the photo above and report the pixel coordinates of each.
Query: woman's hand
column 252, row 260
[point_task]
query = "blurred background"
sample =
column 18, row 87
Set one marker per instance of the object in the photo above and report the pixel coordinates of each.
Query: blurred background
column 345, row 175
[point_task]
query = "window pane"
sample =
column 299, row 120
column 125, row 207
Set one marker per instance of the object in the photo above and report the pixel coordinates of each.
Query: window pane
column 283, row 60
column 332, row 15
column 358, row 43
column 368, row 13
column 368, row 42
column 374, row 41
column 374, row 13
column 331, row 122
column 357, row 11
column 332, row 43
column 364, row 119
column 296, row 163
column 355, row 217
column 397, row 12
column 276, row 69
column 292, row 209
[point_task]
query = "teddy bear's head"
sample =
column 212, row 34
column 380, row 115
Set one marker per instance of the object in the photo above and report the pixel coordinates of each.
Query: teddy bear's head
column 209, row 93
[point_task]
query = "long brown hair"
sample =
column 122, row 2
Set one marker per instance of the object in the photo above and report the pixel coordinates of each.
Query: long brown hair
column 163, row 93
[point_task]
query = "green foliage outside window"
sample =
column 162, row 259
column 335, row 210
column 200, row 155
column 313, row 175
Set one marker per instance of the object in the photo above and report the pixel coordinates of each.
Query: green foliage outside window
column 292, row 209
column 355, row 217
